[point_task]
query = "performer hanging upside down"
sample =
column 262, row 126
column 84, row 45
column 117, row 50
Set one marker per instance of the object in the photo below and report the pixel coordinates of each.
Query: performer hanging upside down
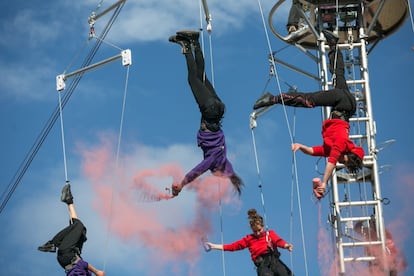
column 69, row 242
column 262, row 246
column 335, row 131
column 210, row 137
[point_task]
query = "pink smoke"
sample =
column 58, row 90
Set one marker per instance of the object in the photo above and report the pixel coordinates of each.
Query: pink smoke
column 130, row 203
column 400, row 225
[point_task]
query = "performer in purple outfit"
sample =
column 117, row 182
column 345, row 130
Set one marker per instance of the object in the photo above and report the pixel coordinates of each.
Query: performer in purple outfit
column 69, row 242
column 210, row 137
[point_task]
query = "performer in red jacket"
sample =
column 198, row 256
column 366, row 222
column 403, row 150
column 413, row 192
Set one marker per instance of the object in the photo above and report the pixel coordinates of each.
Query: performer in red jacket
column 335, row 130
column 262, row 246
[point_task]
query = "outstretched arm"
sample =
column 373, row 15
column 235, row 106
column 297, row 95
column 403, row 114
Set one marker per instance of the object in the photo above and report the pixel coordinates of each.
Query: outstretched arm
column 95, row 271
column 215, row 246
column 303, row 148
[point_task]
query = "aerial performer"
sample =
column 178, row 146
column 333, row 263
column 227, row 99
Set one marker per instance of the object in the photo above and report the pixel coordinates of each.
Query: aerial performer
column 262, row 246
column 69, row 242
column 337, row 146
column 210, row 136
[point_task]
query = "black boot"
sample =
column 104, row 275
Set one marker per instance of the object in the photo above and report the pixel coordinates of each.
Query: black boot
column 66, row 195
column 191, row 36
column 47, row 247
column 331, row 38
column 183, row 42
column 266, row 100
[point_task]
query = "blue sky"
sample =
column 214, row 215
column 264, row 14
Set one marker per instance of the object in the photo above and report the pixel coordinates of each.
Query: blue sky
column 40, row 40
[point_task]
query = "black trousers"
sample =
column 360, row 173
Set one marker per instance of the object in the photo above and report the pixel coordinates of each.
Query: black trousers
column 70, row 241
column 203, row 91
column 339, row 98
column 210, row 105
column 271, row 265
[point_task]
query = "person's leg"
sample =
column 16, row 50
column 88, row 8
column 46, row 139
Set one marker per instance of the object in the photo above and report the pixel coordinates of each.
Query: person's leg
column 298, row 99
column 346, row 101
column 72, row 236
column 280, row 269
column 199, row 59
column 51, row 245
column 264, row 269
column 294, row 16
column 71, row 243
column 337, row 67
column 201, row 93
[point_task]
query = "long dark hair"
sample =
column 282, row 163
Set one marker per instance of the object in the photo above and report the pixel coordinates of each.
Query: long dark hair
column 354, row 164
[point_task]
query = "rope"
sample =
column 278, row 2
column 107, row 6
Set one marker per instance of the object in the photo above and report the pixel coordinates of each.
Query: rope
column 275, row 73
column 221, row 231
column 63, row 145
column 411, row 15
column 260, row 180
column 63, row 137
column 411, row 18
column 203, row 6
column 118, row 149
column 291, row 194
column 108, row 43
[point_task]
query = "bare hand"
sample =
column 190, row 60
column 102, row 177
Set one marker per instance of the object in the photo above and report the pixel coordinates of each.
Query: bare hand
column 296, row 146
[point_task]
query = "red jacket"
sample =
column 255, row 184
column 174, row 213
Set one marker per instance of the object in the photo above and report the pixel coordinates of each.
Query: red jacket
column 257, row 245
column 335, row 133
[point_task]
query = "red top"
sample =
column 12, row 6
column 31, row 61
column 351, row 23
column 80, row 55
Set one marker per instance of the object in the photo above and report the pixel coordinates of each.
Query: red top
column 335, row 133
column 257, row 244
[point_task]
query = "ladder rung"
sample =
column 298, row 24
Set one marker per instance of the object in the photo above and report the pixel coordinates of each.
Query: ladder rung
column 352, row 178
column 358, row 203
column 358, row 136
column 352, row 244
column 359, row 259
column 350, row 82
column 358, row 119
column 354, row 219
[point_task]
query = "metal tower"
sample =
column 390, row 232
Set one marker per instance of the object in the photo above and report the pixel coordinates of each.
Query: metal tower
column 356, row 213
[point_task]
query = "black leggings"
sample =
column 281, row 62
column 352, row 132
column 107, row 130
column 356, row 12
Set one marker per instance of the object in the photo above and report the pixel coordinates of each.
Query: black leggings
column 201, row 87
column 339, row 98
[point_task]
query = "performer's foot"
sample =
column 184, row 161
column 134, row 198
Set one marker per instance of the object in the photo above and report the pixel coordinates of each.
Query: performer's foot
column 265, row 100
column 331, row 38
column 176, row 188
column 47, row 247
column 297, row 34
column 66, row 194
column 182, row 41
column 192, row 36
column 318, row 189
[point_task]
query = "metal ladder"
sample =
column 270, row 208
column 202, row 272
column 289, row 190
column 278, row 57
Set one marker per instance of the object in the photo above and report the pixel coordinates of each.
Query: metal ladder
column 356, row 199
